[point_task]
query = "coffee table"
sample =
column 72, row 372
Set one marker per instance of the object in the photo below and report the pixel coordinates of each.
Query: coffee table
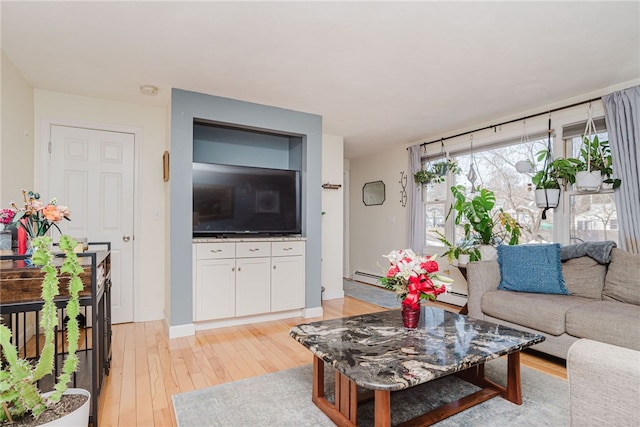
column 375, row 352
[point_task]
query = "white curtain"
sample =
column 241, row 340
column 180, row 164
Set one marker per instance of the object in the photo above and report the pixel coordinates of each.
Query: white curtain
column 622, row 114
column 415, row 213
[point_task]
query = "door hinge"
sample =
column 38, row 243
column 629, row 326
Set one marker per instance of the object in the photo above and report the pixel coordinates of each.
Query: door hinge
column 49, row 147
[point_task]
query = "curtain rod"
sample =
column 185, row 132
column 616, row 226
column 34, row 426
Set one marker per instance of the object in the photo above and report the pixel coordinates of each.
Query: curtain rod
column 510, row 121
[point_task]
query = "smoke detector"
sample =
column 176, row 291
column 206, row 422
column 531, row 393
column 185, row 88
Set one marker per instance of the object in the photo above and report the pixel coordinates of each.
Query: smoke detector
column 149, row 90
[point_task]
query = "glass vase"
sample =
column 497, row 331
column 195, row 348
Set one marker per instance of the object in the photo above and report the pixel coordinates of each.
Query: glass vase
column 410, row 317
column 5, row 247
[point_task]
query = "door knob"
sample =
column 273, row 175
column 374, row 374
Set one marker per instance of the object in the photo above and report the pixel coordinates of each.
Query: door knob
column 126, row 237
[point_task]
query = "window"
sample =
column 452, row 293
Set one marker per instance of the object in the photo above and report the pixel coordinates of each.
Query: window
column 495, row 170
column 586, row 216
column 436, row 202
column 593, row 216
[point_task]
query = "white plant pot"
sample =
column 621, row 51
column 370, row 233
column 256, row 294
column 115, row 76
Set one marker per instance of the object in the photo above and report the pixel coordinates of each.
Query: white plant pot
column 588, row 181
column 488, row 253
column 547, row 197
column 463, row 259
column 524, row 166
column 79, row 417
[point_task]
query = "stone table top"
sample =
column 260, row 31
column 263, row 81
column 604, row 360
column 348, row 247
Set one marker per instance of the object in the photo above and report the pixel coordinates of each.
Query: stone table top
column 376, row 352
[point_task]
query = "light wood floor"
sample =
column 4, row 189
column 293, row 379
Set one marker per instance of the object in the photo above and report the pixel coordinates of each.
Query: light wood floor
column 148, row 368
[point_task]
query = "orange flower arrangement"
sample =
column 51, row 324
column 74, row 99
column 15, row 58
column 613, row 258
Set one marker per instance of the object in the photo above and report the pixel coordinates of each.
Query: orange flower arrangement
column 35, row 218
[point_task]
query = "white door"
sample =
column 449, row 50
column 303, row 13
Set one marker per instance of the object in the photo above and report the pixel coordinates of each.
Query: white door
column 91, row 171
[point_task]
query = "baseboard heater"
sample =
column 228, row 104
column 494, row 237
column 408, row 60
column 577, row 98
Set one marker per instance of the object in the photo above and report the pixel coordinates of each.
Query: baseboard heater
column 369, row 278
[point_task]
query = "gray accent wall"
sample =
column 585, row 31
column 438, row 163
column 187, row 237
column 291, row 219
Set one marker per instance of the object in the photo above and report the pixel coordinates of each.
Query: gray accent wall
column 306, row 136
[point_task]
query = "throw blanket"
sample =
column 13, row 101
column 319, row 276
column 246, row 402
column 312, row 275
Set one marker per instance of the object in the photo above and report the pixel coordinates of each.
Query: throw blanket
column 600, row 251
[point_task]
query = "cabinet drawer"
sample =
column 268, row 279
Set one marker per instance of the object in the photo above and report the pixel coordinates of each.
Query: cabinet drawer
column 215, row 250
column 287, row 248
column 252, row 249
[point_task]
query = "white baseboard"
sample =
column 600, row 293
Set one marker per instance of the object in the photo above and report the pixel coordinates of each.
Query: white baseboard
column 332, row 294
column 180, row 331
column 366, row 277
column 312, row 312
column 453, row 298
column 235, row 321
column 149, row 315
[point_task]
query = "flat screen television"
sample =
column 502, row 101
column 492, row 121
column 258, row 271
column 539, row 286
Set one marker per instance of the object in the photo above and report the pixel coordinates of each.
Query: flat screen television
column 230, row 200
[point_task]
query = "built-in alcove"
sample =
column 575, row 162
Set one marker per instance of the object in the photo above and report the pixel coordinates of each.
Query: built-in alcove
column 295, row 142
column 232, row 145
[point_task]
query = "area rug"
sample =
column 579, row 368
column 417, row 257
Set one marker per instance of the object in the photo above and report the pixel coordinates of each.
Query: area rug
column 370, row 293
column 284, row 399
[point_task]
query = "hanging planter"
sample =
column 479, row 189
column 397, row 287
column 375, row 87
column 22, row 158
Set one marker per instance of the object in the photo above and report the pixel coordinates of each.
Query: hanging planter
column 589, row 176
column 554, row 174
column 547, row 198
column 440, row 168
column 436, row 173
column 588, row 181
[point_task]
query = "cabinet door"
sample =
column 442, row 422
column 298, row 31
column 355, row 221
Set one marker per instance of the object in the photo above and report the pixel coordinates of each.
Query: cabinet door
column 215, row 289
column 287, row 283
column 252, row 286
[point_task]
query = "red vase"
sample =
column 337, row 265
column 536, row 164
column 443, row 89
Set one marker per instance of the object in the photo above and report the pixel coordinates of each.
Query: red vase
column 22, row 241
column 410, row 317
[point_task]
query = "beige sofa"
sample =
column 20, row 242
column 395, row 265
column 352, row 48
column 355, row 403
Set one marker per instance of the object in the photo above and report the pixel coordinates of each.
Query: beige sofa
column 604, row 385
column 604, row 304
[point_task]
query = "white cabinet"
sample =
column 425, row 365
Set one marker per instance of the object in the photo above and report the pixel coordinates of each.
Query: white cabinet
column 252, row 278
column 215, row 289
column 287, row 275
column 246, row 278
column 215, row 281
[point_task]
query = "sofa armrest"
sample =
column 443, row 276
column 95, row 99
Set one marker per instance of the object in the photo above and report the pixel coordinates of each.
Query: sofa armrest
column 482, row 276
column 604, row 384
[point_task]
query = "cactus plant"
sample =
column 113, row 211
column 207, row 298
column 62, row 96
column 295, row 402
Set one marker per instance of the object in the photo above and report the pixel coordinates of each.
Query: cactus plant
column 19, row 394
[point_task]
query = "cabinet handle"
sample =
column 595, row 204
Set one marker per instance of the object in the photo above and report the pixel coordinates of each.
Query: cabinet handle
column 215, row 251
column 239, row 268
column 274, row 267
column 254, row 250
column 287, row 249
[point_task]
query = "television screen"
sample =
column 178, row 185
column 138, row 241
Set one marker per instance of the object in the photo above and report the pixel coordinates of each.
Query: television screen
column 241, row 199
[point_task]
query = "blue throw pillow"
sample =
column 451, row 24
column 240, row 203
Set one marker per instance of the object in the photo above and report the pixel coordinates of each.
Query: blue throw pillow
column 531, row 268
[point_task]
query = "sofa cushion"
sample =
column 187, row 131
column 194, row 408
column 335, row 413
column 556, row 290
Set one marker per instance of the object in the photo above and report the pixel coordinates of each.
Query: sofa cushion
column 531, row 268
column 584, row 277
column 622, row 282
column 543, row 312
column 611, row 322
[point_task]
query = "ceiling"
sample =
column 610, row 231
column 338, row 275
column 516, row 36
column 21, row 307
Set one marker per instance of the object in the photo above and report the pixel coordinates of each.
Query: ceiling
column 380, row 73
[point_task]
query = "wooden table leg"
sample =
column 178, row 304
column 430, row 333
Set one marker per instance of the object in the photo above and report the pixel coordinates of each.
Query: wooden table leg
column 382, row 408
column 317, row 387
column 514, row 388
column 344, row 411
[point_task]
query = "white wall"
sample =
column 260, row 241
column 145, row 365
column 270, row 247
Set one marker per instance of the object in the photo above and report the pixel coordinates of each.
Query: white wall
column 149, row 249
column 16, row 143
column 333, row 217
column 376, row 230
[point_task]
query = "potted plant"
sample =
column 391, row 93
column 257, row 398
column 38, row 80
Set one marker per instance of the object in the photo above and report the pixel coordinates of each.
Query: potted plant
column 436, row 173
column 19, row 393
column 549, row 179
column 483, row 225
column 596, row 165
column 465, row 252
